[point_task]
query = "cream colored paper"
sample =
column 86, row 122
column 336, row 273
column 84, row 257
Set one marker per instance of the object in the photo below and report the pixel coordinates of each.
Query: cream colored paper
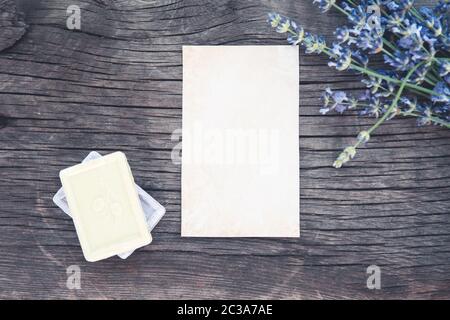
column 240, row 156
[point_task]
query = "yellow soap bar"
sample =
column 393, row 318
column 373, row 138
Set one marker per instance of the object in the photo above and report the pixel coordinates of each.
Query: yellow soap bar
column 105, row 207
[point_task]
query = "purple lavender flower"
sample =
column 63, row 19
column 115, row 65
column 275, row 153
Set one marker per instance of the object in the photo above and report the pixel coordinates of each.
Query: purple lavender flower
column 296, row 35
column 411, row 37
column 444, row 67
column 400, row 60
column 394, row 20
column 373, row 83
column 408, row 105
column 432, row 22
column 420, row 74
column 358, row 17
column 314, row 44
column 325, row 5
column 442, row 7
column 369, row 40
column 426, row 115
column 374, row 108
column 360, row 58
column 414, row 80
column 342, row 34
column 274, row 19
column 342, row 57
column 333, row 100
column 442, row 93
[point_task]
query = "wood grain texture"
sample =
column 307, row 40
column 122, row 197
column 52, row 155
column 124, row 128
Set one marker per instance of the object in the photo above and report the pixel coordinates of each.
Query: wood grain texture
column 12, row 24
column 116, row 85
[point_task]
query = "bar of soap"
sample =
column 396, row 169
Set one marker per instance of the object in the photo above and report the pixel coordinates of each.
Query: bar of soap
column 105, row 207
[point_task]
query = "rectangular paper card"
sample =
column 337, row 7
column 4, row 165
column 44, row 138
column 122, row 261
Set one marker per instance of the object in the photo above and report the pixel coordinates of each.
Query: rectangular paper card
column 240, row 156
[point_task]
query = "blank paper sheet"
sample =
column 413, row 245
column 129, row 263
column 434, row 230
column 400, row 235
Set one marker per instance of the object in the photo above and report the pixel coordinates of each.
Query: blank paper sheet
column 240, row 141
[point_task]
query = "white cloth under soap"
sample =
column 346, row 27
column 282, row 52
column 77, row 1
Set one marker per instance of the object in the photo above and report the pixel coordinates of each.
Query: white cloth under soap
column 153, row 210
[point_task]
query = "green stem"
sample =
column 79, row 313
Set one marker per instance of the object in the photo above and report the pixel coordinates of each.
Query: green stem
column 432, row 118
column 393, row 104
column 389, row 44
column 387, row 52
column 340, row 9
column 419, row 93
column 433, row 75
column 389, row 79
column 370, row 72
column 380, row 76
column 416, row 14
column 428, row 78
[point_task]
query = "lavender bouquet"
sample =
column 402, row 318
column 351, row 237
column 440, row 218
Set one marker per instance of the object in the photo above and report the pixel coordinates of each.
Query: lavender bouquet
column 414, row 44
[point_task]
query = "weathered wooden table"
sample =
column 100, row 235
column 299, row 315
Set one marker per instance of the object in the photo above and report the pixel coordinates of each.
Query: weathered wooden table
column 116, row 85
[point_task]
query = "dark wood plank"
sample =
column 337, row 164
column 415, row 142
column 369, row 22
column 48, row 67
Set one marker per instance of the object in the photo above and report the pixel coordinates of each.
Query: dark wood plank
column 12, row 24
column 116, row 85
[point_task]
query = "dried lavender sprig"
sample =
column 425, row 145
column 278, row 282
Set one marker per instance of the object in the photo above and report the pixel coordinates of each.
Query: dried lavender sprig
column 364, row 136
column 426, row 66
column 316, row 44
